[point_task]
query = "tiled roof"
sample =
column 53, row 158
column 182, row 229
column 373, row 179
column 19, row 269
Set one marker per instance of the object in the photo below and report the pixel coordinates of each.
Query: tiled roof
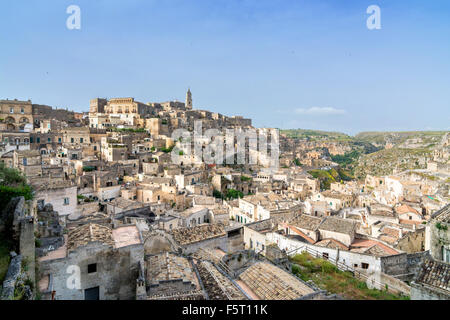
column 443, row 215
column 372, row 247
column 216, row 284
column 332, row 244
column 184, row 236
column 89, row 233
column 169, row 267
column 435, row 274
column 338, row 225
column 404, row 208
column 306, row 222
column 269, row 282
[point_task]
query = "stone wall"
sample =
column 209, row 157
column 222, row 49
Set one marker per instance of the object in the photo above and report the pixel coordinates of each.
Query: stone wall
column 11, row 277
column 412, row 242
column 395, row 264
column 20, row 214
column 422, row 292
column 218, row 242
column 116, row 273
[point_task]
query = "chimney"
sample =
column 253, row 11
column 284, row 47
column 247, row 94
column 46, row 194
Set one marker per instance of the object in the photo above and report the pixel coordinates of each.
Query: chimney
column 400, row 233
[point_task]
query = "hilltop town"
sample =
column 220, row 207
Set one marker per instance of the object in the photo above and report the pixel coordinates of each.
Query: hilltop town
column 114, row 203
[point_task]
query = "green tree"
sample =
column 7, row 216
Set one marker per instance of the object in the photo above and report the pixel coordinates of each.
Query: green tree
column 234, row 194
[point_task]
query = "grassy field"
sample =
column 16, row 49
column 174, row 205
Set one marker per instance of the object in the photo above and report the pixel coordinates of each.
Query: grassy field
column 327, row 277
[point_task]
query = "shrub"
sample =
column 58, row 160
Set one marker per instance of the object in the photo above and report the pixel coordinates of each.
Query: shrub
column 234, row 194
column 8, row 192
column 295, row 269
column 217, row 194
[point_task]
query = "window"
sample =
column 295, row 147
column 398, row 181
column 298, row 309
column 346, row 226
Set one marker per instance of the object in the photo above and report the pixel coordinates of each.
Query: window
column 38, row 140
column 365, row 265
column 59, row 139
column 41, row 203
column 445, row 255
column 95, row 148
column 49, row 139
column 24, row 161
column 11, row 110
column 72, row 140
column 92, row 294
column 92, row 268
column 22, row 110
column 81, row 140
column 66, row 201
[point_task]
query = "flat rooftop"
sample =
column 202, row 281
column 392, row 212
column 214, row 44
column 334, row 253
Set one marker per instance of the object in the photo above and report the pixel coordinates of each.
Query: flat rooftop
column 126, row 236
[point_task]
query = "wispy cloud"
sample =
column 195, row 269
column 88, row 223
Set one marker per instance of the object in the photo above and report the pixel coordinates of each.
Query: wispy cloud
column 319, row 111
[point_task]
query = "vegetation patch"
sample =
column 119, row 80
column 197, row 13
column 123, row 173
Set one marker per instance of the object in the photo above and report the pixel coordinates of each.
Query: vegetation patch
column 233, row 194
column 5, row 258
column 327, row 177
column 134, row 130
column 327, row 276
column 12, row 184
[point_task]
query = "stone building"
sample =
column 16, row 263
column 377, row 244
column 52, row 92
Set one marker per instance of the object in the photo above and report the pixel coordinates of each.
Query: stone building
column 202, row 236
column 432, row 281
column 62, row 195
column 29, row 162
column 189, row 104
column 96, row 262
column 16, row 113
column 437, row 237
column 97, row 105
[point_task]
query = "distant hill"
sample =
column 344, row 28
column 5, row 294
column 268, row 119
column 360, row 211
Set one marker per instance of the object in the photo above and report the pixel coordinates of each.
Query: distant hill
column 316, row 135
column 401, row 151
column 378, row 153
column 396, row 138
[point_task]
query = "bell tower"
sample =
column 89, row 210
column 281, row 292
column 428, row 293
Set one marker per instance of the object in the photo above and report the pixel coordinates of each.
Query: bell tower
column 189, row 100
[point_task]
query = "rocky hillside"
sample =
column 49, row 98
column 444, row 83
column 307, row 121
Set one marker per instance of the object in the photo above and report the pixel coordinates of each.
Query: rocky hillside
column 402, row 151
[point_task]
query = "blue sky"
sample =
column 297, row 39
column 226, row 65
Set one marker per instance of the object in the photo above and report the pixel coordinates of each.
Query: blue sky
column 288, row 64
